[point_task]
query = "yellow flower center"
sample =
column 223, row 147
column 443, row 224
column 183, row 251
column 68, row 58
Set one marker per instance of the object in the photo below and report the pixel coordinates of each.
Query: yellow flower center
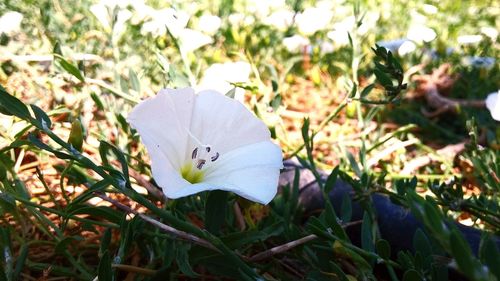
column 190, row 174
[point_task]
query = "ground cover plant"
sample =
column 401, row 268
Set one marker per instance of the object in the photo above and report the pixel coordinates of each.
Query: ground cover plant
column 382, row 117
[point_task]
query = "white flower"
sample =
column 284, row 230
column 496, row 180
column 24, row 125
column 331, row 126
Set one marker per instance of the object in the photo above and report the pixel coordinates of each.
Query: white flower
column 469, row 39
column 169, row 18
column 421, row 33
column 192, row 39
column 490, row 32
column 207, row 141
column 262, row 8
column 401, row 46
column 10, row 22
column 209, row 24
column 280, row 20
column 430, row 9
column 479, row 62
column 219, row 77
column 312, row 20
column 339, row 35
column 295, row 43
column 493, row 105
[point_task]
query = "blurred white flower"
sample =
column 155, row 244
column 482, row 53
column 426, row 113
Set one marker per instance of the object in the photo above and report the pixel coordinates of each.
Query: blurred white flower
column 104, row 10
column 430, row 9
column 175, row 21
column 207, row 141
column 421, row 33
column 280, row 20
column 326, row 47
column 10, row 22
column 240, row 19
column 312, row 20
column 491, row 32
column 339, row 35
column 400, row 46
column 493, row 105
column 191, row 40
column 369, row 22
column 262, row 8
column 479, row 62
column 209, row 24
column 296, row 43
column 219, row 77
column 469, row 39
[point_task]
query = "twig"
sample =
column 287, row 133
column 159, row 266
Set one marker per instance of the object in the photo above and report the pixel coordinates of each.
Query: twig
column 151, row 188
column 290, row 245
column 282, row 248
column 47, row 58
column 384, row 153
column 447, row 151
column 439, row 81
column 135, row 269
column 181, row 234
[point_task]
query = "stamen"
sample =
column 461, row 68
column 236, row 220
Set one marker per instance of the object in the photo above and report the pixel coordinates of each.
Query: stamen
column 208, row 148
column 215, row 157
column 194, row 153
column 200, row 164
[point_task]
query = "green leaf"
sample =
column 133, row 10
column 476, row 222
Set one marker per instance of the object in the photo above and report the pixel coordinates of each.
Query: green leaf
column 182, row 258
column 134, row 81
column 422, row 244
column 105, row 241
column 367, row 90
column 215, row 210
column 332, row 221
column 412, row 275
column 332, row 178
column 10, row 105
column 70, row 68
column 105, row 148
column 383, row 249
column 20, row 262
column 490, row 255
column 462, row 254
column 366, row 233
column 346, row 208
column 382, row 78
column 105, row 272
column 41, row 117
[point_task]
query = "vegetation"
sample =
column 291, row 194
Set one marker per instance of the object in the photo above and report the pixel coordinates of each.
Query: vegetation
column 386, row 96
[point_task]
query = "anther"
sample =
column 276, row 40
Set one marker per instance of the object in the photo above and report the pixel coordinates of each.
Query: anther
column 200, row 164
column 215, row 157
column 207, row 148
column 194, row 153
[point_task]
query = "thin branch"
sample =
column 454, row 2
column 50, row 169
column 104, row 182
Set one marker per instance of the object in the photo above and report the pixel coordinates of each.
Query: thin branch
column 290, row 245
column 180, row 234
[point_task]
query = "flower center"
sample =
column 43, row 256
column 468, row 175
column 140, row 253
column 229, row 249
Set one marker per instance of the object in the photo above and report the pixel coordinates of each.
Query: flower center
column 200, row 156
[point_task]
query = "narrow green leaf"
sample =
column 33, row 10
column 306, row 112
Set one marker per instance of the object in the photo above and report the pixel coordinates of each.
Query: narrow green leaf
column 215, row 210
column 383, row 249
column 134, row 81
column 70, row 68
column 105, row 271
column 10, row 105
column 366, row 233
column 346, row 208
column 41, row 117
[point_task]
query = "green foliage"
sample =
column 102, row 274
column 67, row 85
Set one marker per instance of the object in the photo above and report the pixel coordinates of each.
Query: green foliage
column 51, row 124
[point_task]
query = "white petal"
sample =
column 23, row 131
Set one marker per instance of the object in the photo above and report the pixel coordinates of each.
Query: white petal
column 162, row 122
column 493, row 105
column 250, row 171
column 225, row 123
